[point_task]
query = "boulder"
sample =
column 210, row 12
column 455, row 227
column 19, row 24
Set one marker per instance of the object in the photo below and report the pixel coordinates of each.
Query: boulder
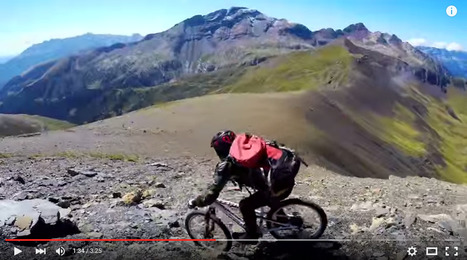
column 375, row 224
column 75, row 172
column 154, row 203
column 409, row 219
column 29, row 216
column 381, row 212
column 19, row 179
column 364, row 206
column 159, row 164
column 435, row 218
column 159, row 185
column 462, row 208
column 133, row 197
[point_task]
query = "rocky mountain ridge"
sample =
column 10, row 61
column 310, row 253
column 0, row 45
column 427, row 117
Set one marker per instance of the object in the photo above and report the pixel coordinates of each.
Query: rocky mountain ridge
column 225, row 39
column 55, row 49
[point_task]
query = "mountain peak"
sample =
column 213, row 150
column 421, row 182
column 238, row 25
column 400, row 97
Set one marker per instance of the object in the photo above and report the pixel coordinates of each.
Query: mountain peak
column 394, row 39
column 241, row 10
column 232, row 14
column 357, row 27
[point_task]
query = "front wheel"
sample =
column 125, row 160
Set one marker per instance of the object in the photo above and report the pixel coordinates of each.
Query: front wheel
column 200, row 225
column 296, row 219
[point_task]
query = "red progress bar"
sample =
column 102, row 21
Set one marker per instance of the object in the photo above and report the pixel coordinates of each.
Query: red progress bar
column 91, row 240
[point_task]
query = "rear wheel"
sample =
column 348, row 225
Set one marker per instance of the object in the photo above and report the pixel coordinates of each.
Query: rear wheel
column 297, row 219
column 199, row 226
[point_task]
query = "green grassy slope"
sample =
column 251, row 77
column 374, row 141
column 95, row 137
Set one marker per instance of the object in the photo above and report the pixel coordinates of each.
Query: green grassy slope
column 355, row 112
column 25, row 124
column 297, row 71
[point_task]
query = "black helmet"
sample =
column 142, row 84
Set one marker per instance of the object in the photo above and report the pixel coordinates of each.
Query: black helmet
column 221, row 143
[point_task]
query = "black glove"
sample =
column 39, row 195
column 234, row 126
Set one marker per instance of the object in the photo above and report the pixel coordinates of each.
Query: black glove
column 191, row 204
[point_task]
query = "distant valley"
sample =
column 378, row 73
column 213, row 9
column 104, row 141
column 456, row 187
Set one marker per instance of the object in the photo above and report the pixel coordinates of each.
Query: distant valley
column 454, row 61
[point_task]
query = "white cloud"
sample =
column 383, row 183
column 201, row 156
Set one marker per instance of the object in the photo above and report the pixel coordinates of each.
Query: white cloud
column 439, row 45
column 450, row 46
column 417, row 42
column 454, row 46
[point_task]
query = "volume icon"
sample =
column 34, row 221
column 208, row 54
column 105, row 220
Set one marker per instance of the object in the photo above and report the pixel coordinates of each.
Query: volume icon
column 60, row 251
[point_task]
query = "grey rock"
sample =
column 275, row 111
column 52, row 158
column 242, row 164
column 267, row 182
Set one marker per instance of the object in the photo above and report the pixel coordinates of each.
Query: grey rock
column 89, row 173
column 24, row 233
column 116, row 195
column 381, row 212
column 354, row 229
column 134, row 225
column 435, row 218
column 446, row 225
column 19, row 179
column 61, row 183
column 376, row 223
column 435, row 230
column 174, row 224
column 76, row 172
column 53, row 199
column 85, row 228
column 73, row 172
column 64, row 204
column 364, row 206
column 413, row 197
column 154, row 203
column 332, row 221
column 10, row 221
column 30, row 211
column 94, row 235
column 22, row 195
column 159, row 164
column 401, row 255
column 64, row 213
column 159, row 185
column 409, row 219
column 462, row 208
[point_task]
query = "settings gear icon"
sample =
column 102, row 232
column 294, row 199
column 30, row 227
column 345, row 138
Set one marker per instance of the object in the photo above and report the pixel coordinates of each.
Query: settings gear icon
column 412, row 251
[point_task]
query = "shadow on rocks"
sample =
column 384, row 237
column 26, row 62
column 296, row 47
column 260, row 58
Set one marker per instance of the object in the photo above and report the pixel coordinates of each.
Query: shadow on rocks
column 299, row 250
column 42, row 230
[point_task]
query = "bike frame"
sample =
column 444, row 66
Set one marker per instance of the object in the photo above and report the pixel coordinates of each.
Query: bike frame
column 223, row 205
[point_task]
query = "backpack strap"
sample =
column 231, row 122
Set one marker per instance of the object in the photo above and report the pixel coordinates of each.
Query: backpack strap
column 290, row 150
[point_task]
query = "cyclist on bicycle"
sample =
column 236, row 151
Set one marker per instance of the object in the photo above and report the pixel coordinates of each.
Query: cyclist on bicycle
column 273, row 178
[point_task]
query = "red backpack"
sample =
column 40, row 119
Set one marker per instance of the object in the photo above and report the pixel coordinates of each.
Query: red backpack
column 253, row 151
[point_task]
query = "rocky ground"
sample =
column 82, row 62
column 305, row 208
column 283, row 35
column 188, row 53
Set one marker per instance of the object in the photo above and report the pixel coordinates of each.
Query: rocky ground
column 101, row 198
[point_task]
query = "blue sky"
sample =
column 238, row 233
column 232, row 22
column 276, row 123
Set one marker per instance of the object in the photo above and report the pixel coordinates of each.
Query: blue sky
column 25, row 22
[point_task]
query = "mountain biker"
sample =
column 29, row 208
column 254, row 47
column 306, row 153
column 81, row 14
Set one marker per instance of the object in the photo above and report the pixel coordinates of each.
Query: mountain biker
column 273, row 179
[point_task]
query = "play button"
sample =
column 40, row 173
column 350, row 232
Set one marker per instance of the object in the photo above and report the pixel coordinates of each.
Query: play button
column 16, row 251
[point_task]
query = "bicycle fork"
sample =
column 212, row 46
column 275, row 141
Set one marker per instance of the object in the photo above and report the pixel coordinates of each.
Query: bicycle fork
column 209, row 227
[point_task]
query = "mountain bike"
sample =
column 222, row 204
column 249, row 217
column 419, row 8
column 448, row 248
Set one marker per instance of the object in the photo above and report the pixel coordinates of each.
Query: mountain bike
column 284, row 222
